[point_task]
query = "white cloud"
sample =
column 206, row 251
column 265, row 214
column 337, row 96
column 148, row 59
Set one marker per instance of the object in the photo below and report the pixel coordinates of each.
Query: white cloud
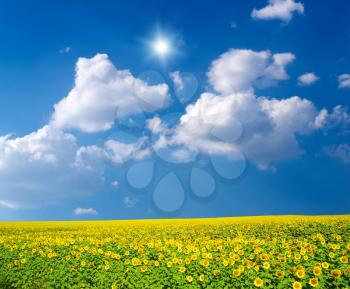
column 155, row 125
column 66, row 49
column 271, row 126
column 84, row 212
column 242, row 69
column 177, row 79
column 307, row 78
column 338, row 117
column 9, row 205
column 103, row 93
column 49, row 165
column 39, row 168
column 233, row 24
column 119, row 152
column 130, row 202
column 115, row 184
column 341, row 152
column 344, row 80
column 278, row 9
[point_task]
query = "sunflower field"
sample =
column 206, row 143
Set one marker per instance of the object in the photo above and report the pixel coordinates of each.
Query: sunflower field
column 249, row 252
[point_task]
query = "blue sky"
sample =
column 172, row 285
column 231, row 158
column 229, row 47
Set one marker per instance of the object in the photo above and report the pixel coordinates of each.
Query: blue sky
column 247, row 113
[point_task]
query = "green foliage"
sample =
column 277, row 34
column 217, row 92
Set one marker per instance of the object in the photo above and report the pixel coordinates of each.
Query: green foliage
column 266, row 252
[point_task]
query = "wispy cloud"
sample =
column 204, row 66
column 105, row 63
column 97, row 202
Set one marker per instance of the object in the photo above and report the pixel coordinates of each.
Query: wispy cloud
column 130, row 202
column 9, row 205
column 66, row 49
column 344, row 80
column 85, row 211
column 340, row 152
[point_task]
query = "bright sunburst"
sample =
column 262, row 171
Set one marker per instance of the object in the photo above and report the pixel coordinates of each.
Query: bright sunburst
column 161, row 47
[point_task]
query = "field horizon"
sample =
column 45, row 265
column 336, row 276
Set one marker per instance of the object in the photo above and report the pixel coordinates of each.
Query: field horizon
column 251, row 217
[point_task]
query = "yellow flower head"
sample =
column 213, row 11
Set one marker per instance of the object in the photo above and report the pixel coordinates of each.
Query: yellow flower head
column 317, row 270
column 280, row 273
column 297, row 285
column 300, row 273
column 205, row 262
column 325, row 265
column 144, row 268
column 189, row 278
column 336, row 273
column 216, row 272
column 258, row 282
column 313, row 282
column 297, row 256
column 266, row 265
column 344, row 259
column 236, row 272
column 135, row 261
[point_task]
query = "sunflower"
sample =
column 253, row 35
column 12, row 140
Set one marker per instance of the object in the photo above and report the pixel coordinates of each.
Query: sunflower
column 280, row 273
column 135, row 262
column 266, row 265
column 236, row 272
column 325, row 265
column 300, row 273
column 205, row 262
column 258, row 282
column 336, row 273
column 313, row 282
column 317, row 270
column 144, row 268
column 201, row 278
column 344, row 259
column 297, row 285
column 297, row 257
column 189, row 278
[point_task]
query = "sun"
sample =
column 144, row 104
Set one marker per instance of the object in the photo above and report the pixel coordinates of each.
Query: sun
column 161, row 47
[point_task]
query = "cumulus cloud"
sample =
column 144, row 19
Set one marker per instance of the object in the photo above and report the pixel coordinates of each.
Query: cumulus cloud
column 40, row 168
column 278, row 9
column 48, row 165
column 85, row 211
column 344, row 80
column 271, row 127
column 307, row 79
column 341, row 152
column 119, row 152
column 102, row 93
column 242, row 69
